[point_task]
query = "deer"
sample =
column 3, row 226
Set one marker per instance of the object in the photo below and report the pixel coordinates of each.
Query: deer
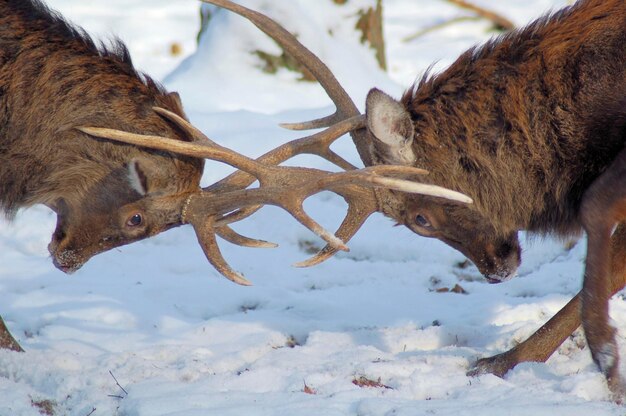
column 531, row 126
column 59, row 90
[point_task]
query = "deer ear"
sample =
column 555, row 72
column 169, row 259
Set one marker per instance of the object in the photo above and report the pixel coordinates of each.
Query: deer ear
column 149, row 177
column 391, row 127
column 137, row 177
column 175, row 97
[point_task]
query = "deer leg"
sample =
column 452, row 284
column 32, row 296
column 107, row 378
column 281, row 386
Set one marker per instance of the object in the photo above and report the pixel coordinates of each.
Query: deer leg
column 538, row 347
column 6, row 339
column 604, row 205
column 542, row 344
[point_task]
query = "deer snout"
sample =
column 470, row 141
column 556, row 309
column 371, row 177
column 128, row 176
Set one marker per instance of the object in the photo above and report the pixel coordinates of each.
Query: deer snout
column 500, row 261
column 67, row 261
column 63, row 256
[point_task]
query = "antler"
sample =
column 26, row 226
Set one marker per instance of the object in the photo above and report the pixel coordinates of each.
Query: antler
column 345, row 107
column 211, row 210
column 345, row 110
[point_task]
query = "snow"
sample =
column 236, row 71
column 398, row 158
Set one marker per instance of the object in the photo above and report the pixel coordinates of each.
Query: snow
column 181, row 340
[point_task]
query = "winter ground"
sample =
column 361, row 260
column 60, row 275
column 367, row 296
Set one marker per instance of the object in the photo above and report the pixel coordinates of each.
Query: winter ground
column 181, row 340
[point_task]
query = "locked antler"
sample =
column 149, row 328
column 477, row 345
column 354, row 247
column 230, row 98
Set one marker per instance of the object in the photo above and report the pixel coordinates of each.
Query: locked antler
column 214, row 207
column 345, row 110
column 283, row 186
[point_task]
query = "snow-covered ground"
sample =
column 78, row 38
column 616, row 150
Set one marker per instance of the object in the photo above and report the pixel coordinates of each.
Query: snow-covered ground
column 181, row 340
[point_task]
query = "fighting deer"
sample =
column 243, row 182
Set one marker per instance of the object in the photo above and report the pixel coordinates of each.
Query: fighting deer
column 531, row 126
column 58, row 89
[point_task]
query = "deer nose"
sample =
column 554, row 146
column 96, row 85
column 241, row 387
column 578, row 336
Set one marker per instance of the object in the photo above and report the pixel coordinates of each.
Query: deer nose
column 502, row 276
column 63, row 256
column 63, row 268
column 502, row 260
column 68, row 261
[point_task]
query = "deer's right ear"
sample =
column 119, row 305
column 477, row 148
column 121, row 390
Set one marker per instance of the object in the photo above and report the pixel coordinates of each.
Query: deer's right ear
column 391, row 127
column 175, row 97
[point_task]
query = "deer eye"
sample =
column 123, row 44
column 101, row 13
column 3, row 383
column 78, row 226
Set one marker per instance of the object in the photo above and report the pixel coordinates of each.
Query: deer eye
column 135, row 220
column 422, row 221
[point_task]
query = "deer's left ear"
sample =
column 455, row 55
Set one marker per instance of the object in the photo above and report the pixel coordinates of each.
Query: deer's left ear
column 146, row 176
column 137, row 177
column 391, row 127
column 176, row 101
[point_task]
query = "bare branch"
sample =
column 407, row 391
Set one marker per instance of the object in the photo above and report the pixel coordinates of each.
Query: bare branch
column 497, row 19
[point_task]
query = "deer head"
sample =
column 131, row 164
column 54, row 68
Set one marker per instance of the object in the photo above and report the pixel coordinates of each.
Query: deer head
column 393, row 139
column 106, row 195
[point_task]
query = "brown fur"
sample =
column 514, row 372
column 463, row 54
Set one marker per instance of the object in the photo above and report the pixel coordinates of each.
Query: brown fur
column 52, row 79
column 532, row 126
column 521, row 122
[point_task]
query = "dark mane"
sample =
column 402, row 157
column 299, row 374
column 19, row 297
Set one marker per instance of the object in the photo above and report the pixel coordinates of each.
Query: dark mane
column 521, row 39
column 534, row 92
column 509, row 48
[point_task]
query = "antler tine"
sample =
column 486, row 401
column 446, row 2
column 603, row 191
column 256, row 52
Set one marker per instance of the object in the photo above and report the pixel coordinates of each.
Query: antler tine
column 313, row 124
column 370, row 178
column 359, row 211
column 206, row 237
column 233, row 237
column 345, row 106
column 237, row 215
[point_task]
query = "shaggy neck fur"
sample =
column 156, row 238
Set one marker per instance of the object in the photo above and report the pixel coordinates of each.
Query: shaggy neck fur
column 526, row 122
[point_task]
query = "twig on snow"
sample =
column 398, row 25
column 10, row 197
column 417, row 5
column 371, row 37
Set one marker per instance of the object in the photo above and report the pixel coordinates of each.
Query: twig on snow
column 118, row 385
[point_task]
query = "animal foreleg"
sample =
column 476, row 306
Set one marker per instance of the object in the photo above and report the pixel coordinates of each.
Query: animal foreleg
column 604, row 205
column 542, row 344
